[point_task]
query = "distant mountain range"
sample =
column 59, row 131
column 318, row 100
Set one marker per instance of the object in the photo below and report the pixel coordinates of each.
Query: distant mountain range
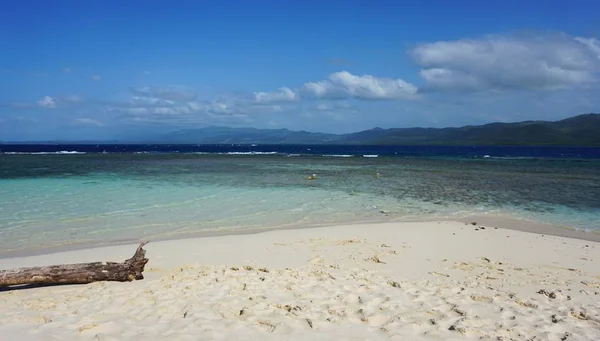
column 582, row 130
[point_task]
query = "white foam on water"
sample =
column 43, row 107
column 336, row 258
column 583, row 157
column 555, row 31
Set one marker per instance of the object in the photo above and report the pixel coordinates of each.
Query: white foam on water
column 61, row 152
column 250, row 153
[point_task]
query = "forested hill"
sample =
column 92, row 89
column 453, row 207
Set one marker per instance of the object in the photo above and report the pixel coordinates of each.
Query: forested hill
column 582, row 130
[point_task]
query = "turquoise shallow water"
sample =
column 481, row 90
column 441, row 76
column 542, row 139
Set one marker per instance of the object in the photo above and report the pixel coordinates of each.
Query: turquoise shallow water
column 52, row 200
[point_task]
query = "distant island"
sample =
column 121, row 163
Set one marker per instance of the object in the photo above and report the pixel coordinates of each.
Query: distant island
column 581, row 130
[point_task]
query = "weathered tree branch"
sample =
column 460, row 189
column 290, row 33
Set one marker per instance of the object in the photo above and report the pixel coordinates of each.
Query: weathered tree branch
column 129, row 270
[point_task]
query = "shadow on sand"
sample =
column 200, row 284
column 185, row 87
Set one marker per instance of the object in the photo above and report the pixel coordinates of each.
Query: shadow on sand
column 33, row 286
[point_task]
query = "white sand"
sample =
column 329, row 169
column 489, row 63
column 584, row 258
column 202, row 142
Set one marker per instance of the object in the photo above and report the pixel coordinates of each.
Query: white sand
column 434, row 281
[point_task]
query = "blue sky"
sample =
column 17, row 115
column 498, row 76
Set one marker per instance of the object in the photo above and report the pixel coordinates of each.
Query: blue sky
column 129, row 69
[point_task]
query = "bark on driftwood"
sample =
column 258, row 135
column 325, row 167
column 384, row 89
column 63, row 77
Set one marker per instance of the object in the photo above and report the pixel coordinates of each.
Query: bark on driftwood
column 82, row 273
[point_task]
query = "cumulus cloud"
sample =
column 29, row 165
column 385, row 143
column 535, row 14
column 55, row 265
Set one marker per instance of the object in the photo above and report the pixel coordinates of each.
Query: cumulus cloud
column 176, row 104
column 342, row 85
column 47, row 102
column 96, row 78
column 221, row 110
column 152, row 104
column 283, row 94
column 532, row 62
column 158, row 109
column 346, row 85
column 150, row 101
column 322, row 89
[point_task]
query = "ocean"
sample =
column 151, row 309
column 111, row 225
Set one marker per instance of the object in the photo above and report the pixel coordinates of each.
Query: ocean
column 53, row 196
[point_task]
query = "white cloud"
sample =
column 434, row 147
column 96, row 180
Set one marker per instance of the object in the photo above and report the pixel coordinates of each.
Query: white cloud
column 283, row 94
column 47, row 102
column 150, row 101
column 66, row 70
column 320, row 89
column 535, row 62
column 88, row 121
column 146, row 72
column 346, row 85
column 218, row 107
column 181, row 101
column 146, row 103
column 181, row 113
column 159, row 104
column 160, row 108
column 592, row 43
column 342, row 85
column 96, row 78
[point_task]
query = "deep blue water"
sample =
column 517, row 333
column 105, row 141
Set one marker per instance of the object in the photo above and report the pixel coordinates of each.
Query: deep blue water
column 410, row 151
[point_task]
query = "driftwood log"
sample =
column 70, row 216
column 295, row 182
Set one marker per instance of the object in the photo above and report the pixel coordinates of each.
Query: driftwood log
column 82, row 273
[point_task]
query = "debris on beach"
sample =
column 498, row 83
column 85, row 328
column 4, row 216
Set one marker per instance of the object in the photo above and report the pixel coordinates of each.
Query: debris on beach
column 374, row 259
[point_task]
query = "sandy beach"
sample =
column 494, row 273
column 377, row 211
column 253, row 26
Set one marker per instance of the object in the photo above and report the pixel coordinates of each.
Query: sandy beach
column 393, row 281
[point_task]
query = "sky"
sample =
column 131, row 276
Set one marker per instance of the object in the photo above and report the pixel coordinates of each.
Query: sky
column 77, row 70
